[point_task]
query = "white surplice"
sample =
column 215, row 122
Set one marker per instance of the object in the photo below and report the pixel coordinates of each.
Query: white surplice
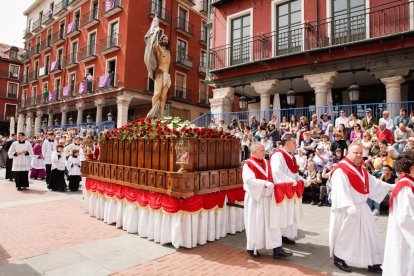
column 288, row 212
column 256, row 212
column 353, row 235
column 399, row 245
column 21, row 162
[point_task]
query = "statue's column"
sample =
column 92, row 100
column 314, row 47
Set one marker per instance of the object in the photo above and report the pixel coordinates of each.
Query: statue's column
column 322, row 84
column 12, row 125
column 265, row 89
column 50, row 118
column 122, row 102
column 80, row 107
column 99, row 106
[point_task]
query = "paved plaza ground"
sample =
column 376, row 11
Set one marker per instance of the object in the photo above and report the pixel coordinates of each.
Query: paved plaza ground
column 49, row 233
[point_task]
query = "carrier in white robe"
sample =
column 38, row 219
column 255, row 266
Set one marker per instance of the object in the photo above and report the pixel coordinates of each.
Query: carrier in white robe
column 21, row 162
column 399, row 245
column 259, row 194
column 353, row 235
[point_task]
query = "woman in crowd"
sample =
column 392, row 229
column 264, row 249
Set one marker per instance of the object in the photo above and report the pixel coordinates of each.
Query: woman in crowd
column 317, row 132
column 38, row 170
column 273, row 121
column 325, row 121
column 303, row 127
column 57, row 176
column 344, row 131
column 284, row 126
column 73, row 166
column 293, row 125
column 324, row 142
column 301, row 161
column 356, row 134
column 337, row 156
column 366, row 145
column 313, row 179
column 245, row 145
column 353, row 120
column 330, row 131
column 314, row 121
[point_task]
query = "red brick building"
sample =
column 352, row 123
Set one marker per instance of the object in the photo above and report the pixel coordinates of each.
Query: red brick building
column 66, row 40
column 316, row 49
column 10, row 70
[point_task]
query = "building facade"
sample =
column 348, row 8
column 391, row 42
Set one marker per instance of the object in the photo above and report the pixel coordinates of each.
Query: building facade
column 10, row 72
column 84, row 60
column 314, row 49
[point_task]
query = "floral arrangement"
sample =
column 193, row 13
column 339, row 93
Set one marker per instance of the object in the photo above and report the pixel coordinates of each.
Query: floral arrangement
column 166, row 128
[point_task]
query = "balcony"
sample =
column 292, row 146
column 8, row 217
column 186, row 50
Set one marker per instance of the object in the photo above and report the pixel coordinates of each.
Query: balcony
column 68, row 91
column 73, row 2
column 9, row 75
column 314, row 36
column 70, row 60
column 112, row 7
column 217, row 3
column 203, row 36
column 25, row 56
column 61, row 8
column 202, row 68
column 48, row 18
column 163, row 15
column 184, row 27
column 204, row 7
column 184, row 60
column 35, row 51
column 46, row 44
column 180, row 94
column 87, row 53
column 44, row 72
column 90, row 19
column 32, row 77
column 58, row 37
column 109, row 44
column 73, row 29
column 55, row 67
column 107, row 81
column 37, row 25
column 85, row 88
column 24, row 80
column 189, row 2
column 27, row 33
column 203, row 99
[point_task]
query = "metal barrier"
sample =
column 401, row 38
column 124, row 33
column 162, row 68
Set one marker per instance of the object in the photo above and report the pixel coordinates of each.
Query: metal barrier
column 358, row 109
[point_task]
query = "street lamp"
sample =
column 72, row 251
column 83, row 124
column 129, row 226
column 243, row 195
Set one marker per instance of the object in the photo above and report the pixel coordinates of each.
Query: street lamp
column 70, row 120
column 353, row 91
column 89, row 119
column 56, row 122
column 44, row 124
column 290, row 95
column 243, row 101
column 110, row 117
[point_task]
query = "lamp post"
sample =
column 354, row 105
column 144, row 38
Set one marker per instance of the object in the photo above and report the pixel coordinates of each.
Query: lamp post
column 56, row 122
column 243, row 101
column 71, row 121
column 290, row 95
column 110, row 117
column 353, row 92
column 44, row 124
column 89, row 119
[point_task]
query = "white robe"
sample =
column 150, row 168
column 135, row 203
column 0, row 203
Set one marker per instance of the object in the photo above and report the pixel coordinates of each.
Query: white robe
column 21, row 162
column 75, row 170
column 353, row 235
column 47, row 149
column 288, row 212
column 256, row 213
column 399, row 245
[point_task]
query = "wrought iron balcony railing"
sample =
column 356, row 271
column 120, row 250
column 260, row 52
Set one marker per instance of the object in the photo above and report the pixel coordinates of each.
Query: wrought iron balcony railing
column 385, row 20
column 37, row 25
column 109, row 44
column 184, row 60
column 87, row 53
column 47, row 18
column 58, row 36
column 91, row 18
column 111, row 7
column 159, row 11
column 180, row 94
column 27, row 33
column 61, row 7
column 185, row 27
column 70, row 60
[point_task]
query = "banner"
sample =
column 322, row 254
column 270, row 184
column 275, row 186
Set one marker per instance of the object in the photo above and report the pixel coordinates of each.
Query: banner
column 82, row 87
column 109, row 5
column 103, row 81
column 52, row 95
column 53, row 66
column 71, row 27
column 65, row 91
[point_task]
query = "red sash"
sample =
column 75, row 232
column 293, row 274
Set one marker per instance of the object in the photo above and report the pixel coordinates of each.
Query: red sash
column 260, row 168
column 283, row 190
column 405, row 181
column 357, row 176
column 290, row 160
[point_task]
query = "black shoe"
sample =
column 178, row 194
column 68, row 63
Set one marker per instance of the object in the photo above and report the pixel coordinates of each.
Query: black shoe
column 320, row 204
column 280, row 253
column 19, row 189
column 375, row 268
column 251, row 253
column 288, row 241
column 342, row 266
column 313, row 203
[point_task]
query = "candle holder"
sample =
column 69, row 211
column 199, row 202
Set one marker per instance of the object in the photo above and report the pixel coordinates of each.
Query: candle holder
column 182, row 153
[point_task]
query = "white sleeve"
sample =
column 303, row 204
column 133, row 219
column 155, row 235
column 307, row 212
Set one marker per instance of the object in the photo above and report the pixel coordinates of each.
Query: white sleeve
column 403, row 212
column 341, row 195
column 12, row 151
column 69, row 164
column 276, row 162
column 251, row 185
column 377, row 189
column 44, row 149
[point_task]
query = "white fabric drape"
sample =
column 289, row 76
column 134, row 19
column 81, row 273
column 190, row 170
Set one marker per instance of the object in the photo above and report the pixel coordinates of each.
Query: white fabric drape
column 181, row 229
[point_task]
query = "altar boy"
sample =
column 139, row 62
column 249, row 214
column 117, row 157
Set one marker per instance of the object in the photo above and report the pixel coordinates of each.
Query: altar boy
column 21, row 152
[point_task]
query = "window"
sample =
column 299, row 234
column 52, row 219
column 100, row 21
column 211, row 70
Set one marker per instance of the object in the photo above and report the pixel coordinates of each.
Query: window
column 59, row 58
column 12, row 89
column 158, row 8
column 203, row 93
column 74, row 52
column 204, row 32
column 61, row 29
column 57, row 88
column 92, row 42
column 182, row 19
column 72, row 81
column 49, row 37
column 36, row 70
column 240, row 39
column 47, row 64
column 34, row 95
column 180, row 84
column 94, row 14
column 77, row 20
column 13, row 54
column 113, row 34
column 14, row 71
column 181, row 50
column 203, row 59
column 289, row 30
column 24, row 100
column 348, row 20
column 10, row 111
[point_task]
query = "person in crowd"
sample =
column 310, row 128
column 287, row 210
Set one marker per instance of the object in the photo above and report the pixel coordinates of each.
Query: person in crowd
column 212, row 123
column 21, row 152
column 399, row 243
column 356, row 134
column 273, row 134
column 344, row 131
column 383, row 133
column 57, row 175
column 342, row 119
column 317, row 132
column 302, row 161
column 3, row 152
column 233, row 124
column 293, row 125
column 368, row 121
column 314, row 121
column 273, row 121
column 254, row 124
column 366, row 145
column 285, row 171
column 337, row 156
column 303, row 127
column 339, row 143
column 325, row 121
column 73, row 166
column 401, row 135
column 49, row 145
column 321, row 158
column 402, row 118
column 353, row 120
column 325, row 189
column 241, row 125
column 259, row 186
column 245, row 145
column 313, row 179
column 308, row 144
column 409, row 145
column 268, row 144
column 237, row 132
column 263, row 122
column 247, row 130
column 324, row 142
column 9, row 161
column 284, row 126
column 389, row 123
column 349, row 213
column 38, row 163
column 330, row 132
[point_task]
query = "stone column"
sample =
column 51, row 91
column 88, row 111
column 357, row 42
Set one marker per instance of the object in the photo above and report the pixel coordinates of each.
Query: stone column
column 12, row 125
column 393, row 93
column 20, row 123
column 322, row 84
column 29, row 118
column 99, row 106
column 50, row 119
column 265, row 89
column 80, row 107
column 122, row 102
column 221, row 102
column 38, row 122
column 64, row 118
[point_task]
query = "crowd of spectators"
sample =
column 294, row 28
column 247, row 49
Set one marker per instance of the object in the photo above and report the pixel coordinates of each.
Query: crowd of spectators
column 323, row 142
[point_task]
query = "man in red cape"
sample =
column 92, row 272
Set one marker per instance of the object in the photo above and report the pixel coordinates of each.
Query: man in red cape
column 353, row 236
column 399, row 245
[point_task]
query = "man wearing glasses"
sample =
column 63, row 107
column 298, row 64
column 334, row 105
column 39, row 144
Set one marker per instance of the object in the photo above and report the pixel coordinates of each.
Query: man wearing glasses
column 342, row 119
column 384, row 134
column 368, row 121
column 389, row 123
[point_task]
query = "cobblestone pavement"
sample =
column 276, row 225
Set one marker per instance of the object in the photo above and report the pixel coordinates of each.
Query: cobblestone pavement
column 49, row 233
